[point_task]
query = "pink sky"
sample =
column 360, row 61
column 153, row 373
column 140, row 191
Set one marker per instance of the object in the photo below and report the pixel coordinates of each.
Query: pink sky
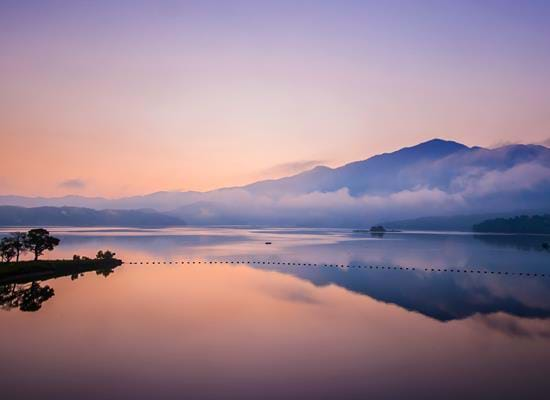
column 117, row 100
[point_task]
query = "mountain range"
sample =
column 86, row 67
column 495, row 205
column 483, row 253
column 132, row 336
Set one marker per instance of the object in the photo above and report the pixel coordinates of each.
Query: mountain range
column 434, row 178
column 79, row 216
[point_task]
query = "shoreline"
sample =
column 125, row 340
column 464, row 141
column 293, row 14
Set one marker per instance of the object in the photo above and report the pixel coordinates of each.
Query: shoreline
column 42, row 270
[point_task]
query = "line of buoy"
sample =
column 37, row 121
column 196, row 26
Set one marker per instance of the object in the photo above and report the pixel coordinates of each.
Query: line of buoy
column 373, row 267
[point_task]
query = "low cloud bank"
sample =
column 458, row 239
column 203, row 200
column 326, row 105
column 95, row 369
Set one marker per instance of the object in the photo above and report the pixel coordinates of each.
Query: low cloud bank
column 477, row 190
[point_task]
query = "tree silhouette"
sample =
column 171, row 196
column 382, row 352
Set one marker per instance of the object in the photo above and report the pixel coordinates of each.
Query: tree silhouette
column 7, row 251
column 105, row 271
column 40, row 240
column 9, row 296
column 24, row 297
column 19, row 243
column 105, row 255
column 33, row 297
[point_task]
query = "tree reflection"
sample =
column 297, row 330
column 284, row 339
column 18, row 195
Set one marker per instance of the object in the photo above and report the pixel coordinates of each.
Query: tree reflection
column 105, row 271
column 26, row 297
column 378, row 235
column 29, row 295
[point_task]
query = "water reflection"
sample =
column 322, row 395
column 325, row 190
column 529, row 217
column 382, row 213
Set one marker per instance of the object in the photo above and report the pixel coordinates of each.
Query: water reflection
column 26, row 297
column 442, row 296
column 228, row 330
column 519, row 242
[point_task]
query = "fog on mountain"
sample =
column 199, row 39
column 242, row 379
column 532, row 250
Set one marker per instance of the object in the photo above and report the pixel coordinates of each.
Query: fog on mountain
column 412, row 182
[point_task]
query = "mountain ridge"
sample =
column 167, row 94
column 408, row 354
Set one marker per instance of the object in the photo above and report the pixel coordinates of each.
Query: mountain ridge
column 436, row 177
column 14, row 216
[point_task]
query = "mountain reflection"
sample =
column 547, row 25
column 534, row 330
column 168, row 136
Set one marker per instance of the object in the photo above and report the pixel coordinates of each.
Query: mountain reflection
column 519, row 242
column 441, row 296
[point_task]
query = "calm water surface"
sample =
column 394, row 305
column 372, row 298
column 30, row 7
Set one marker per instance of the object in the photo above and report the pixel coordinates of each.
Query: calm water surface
column 234, row 329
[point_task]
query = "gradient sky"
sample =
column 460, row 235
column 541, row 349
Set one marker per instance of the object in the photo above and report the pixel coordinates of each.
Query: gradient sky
column 115, row 98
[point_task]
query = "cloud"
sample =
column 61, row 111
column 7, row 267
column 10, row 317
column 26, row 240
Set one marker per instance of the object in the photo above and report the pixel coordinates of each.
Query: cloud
column 338, row 208
column 73, row 184
column 291, row 168
column 294, row 295
column 503, row 143
column 480, row 182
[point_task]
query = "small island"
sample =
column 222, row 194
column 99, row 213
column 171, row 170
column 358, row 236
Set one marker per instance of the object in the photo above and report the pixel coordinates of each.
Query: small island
column 376, row 229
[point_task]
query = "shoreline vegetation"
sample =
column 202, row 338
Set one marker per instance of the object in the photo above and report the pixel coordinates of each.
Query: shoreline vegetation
column 36, row 242
column 27, row 271
column 523, row 224
column 376, row 229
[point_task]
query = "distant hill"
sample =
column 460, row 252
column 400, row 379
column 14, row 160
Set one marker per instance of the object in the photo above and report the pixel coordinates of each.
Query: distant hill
column 78, row 216
column 460, row 223
column 537, row 224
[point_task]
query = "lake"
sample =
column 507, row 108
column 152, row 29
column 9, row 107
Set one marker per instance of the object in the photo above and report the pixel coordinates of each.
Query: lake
column 318, row 313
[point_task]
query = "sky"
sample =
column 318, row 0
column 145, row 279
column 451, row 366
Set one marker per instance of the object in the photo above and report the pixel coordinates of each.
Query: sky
column 117, row 98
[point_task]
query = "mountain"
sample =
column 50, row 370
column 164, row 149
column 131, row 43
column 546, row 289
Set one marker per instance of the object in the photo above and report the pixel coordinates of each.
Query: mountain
column 381, row 174
column 434, row 164
column 157, row 201
column 434, row 178
column 77, row 216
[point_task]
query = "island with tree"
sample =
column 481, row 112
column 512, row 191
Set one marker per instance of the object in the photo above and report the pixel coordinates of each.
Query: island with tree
column 376, row 229
column 36, row 242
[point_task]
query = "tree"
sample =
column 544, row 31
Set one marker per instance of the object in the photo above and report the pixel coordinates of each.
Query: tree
column 24, row 297
column 40, row 240
column 19, row 243
column 33, row 297
column 105, row 255
column 7, row 251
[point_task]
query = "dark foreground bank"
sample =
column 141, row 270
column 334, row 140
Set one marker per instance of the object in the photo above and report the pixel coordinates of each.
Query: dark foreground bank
column 25, row 271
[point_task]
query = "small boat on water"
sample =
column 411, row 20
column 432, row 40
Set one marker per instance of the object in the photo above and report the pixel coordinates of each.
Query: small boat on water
column 267, row 242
